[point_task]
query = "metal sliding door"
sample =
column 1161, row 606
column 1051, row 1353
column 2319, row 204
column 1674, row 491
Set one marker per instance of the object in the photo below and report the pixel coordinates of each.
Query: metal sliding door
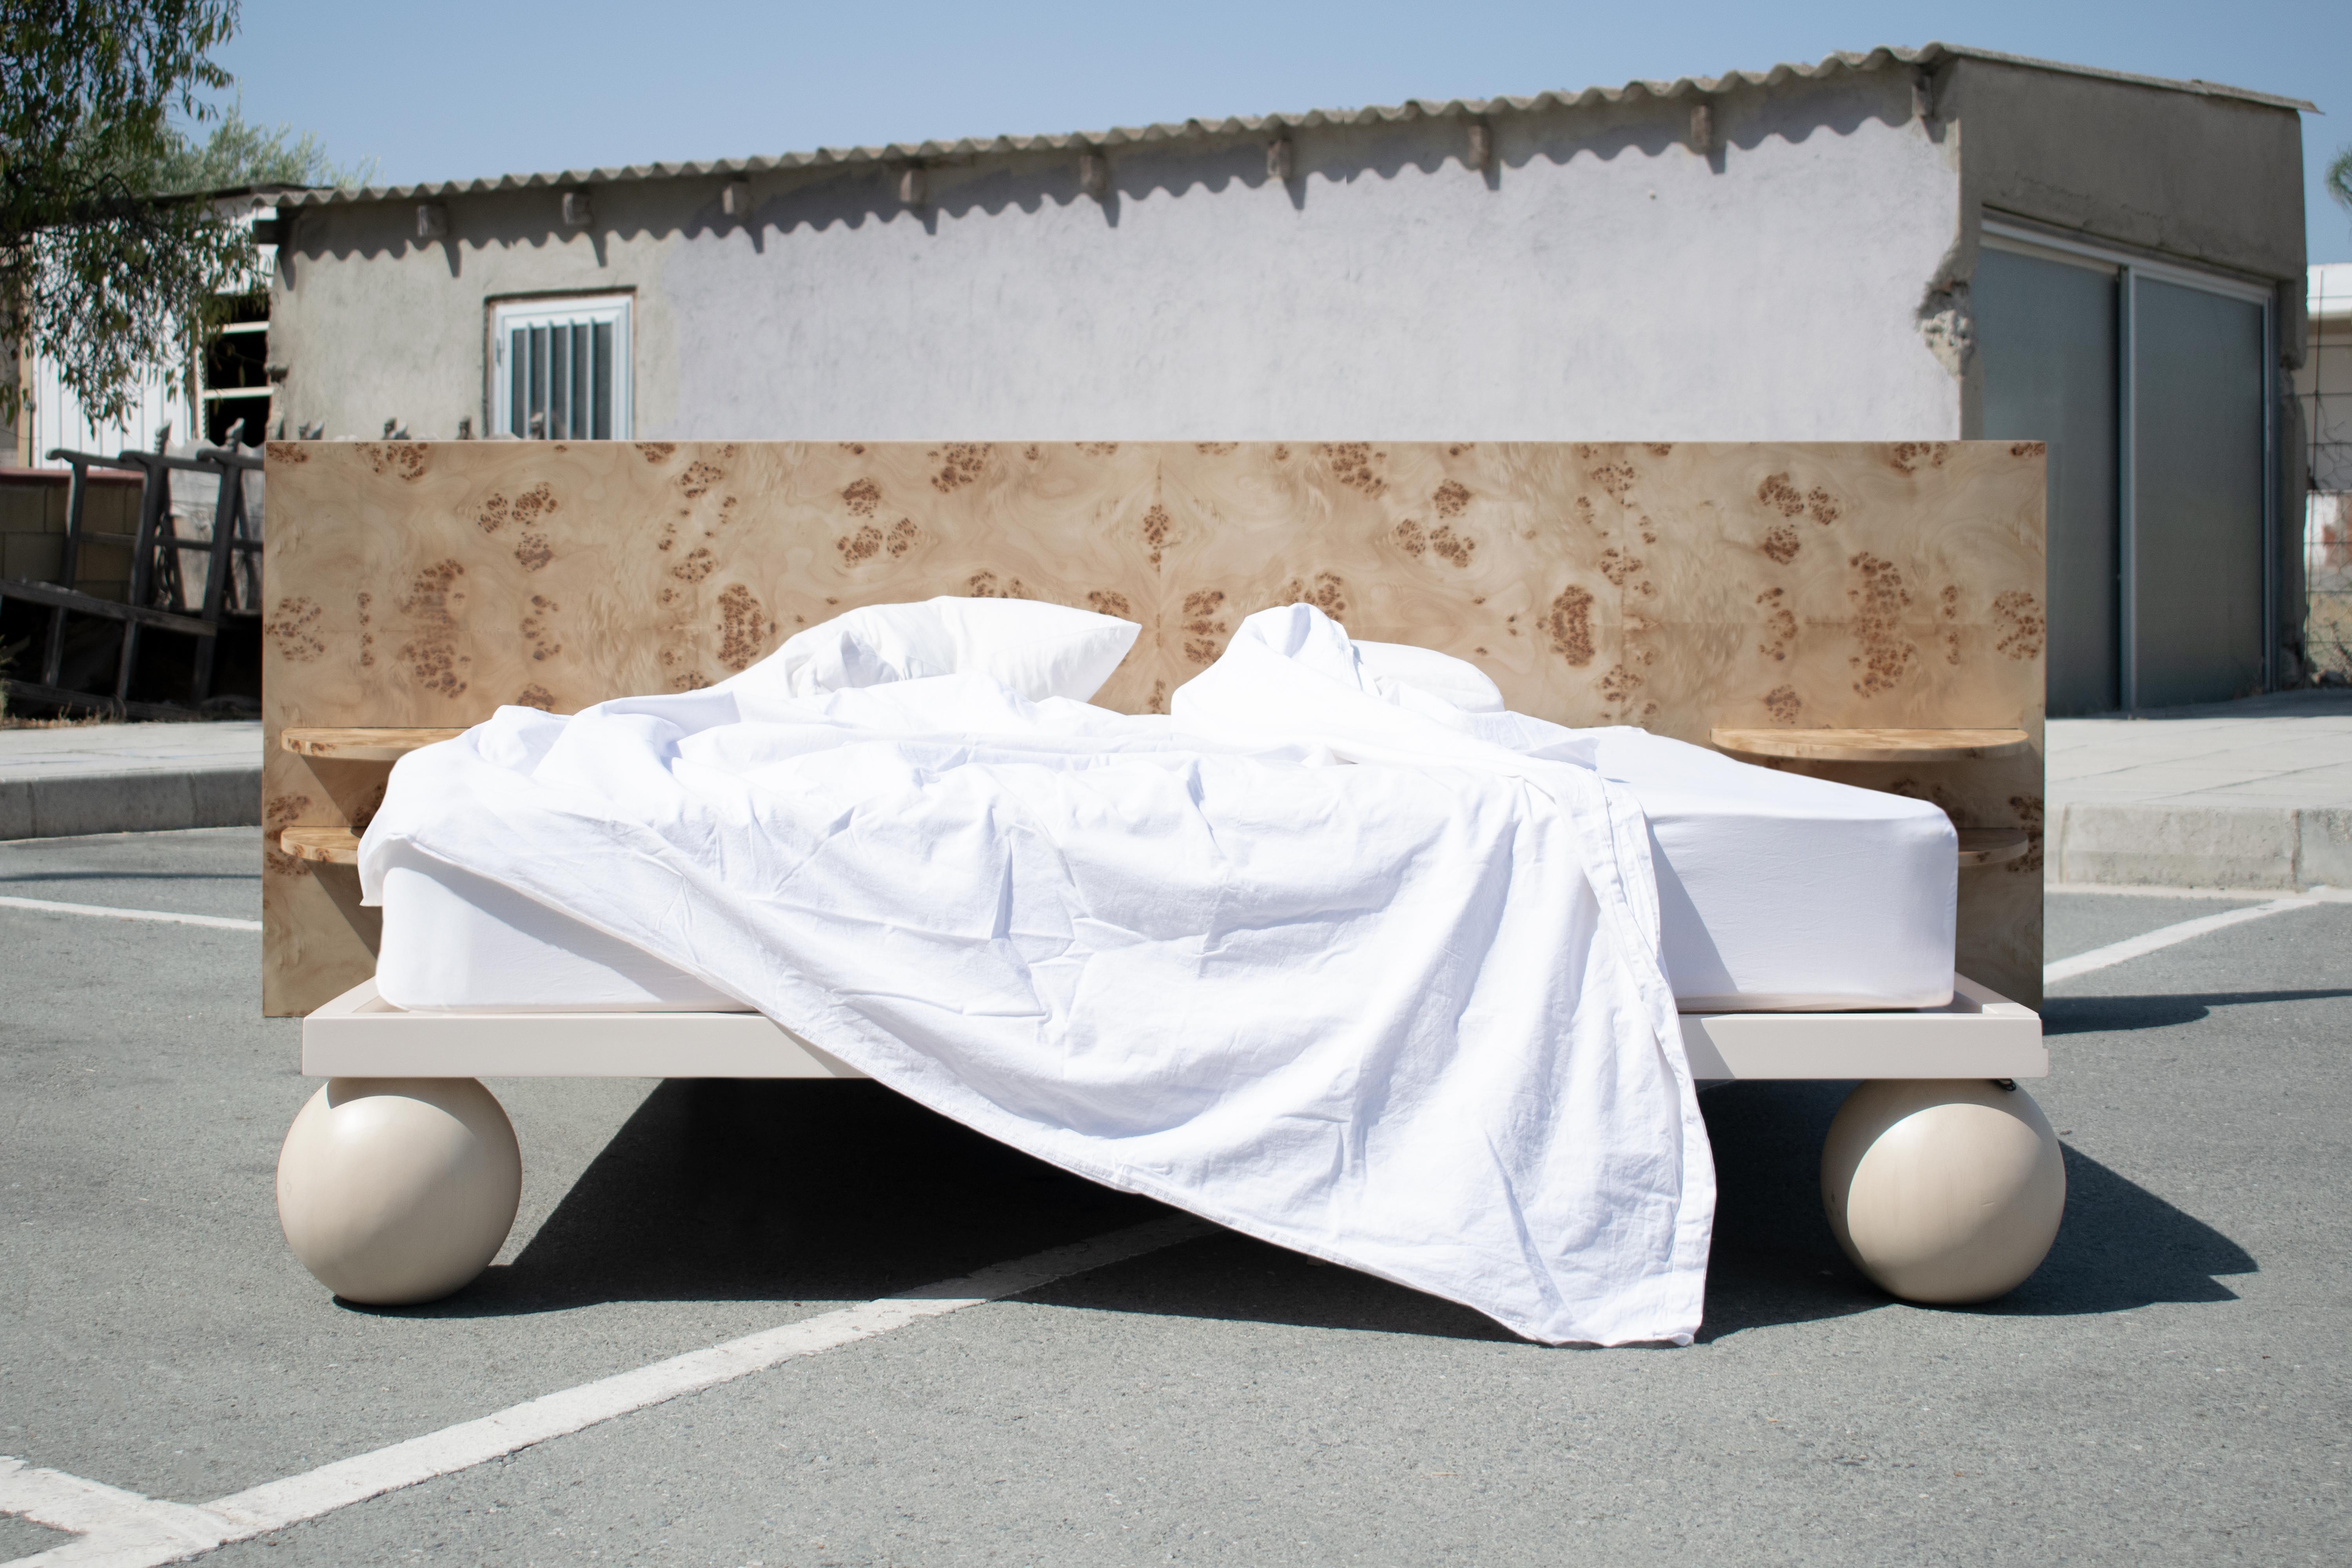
column 2199, row 486
column 2152, row 386
column 2046, row 330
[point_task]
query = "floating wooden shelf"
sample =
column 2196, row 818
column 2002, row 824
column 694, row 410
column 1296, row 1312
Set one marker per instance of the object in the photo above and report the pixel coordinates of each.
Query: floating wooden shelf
column 1873, row 745
column 334, row 845
column 360, row 745
column 1991, row 845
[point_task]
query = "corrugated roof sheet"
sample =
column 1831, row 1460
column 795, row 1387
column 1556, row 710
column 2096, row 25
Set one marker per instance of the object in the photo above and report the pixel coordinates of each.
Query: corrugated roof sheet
column 970, row 148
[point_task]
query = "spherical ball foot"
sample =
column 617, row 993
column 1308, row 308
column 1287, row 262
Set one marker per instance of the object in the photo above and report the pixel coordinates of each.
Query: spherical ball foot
column 395, row 1191
column 1943, row 1191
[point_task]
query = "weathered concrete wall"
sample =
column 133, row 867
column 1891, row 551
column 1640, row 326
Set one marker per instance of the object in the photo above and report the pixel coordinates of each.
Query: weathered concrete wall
column 1603, row 280
column 2214, row 180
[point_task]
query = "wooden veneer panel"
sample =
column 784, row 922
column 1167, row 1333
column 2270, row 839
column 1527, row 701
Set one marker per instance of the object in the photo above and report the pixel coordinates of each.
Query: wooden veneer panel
column 1678, row 586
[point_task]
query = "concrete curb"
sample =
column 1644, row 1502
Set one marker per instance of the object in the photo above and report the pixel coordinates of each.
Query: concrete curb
column 148, row 801
column 2201, row 847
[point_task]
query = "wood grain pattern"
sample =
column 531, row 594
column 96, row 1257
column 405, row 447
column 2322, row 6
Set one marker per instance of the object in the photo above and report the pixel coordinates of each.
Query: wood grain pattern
column 328, row 845
column 378, row 745
column 1874, row 745
column 1683, row 588
column 1992, row 846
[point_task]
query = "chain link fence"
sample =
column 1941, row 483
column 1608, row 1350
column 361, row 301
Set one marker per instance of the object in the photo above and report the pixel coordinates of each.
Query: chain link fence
column 2325, row 384
column 2327, row 573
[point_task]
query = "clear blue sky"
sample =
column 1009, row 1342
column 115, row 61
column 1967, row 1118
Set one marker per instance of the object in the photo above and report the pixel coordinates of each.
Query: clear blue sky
column 432, row 89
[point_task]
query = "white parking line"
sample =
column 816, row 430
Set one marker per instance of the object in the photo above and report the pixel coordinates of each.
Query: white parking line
column 124, row 1530
column 218, row 922
column 2171, row 935
column 115, row 1526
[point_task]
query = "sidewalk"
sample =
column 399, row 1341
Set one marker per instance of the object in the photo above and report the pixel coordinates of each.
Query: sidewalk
column 129, row 778
column 2254, row 794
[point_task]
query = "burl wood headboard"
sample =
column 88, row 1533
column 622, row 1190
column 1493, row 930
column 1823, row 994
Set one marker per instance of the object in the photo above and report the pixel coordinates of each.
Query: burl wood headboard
column 1686, row 588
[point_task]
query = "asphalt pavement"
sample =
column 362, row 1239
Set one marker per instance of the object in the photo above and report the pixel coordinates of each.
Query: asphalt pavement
column 2171, row 1387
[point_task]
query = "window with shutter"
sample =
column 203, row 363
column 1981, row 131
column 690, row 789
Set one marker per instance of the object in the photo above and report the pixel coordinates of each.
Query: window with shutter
column 562, row 369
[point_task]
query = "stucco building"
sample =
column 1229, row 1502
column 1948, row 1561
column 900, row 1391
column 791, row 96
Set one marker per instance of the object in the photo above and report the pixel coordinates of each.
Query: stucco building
column 1902, row 245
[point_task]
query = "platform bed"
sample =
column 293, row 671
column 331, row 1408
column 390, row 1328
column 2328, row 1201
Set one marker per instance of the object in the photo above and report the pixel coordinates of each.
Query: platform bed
column 400, row 1179
column 1745, row 594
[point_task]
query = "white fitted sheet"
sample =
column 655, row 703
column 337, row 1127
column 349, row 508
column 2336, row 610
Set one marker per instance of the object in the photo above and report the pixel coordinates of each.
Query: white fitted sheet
column 1776, row 891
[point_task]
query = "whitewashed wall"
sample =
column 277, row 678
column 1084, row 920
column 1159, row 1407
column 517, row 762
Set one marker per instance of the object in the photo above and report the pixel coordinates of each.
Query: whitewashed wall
column 1604, row 281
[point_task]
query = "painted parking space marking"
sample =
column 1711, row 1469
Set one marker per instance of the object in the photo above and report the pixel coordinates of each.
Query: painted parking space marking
column 114, row 1526
column 123, row 1530
column 2172, row 935
column 108, row 911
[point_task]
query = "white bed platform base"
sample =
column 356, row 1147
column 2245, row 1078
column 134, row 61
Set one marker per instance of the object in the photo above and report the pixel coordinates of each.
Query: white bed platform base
column 1979, row 1035
column 1941, row 1178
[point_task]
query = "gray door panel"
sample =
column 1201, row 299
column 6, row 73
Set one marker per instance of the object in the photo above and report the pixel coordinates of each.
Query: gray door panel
column 2198, row 458
column 2046, row 333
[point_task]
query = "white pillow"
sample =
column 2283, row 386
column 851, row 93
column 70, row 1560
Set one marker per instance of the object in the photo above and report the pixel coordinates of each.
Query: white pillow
column 1039, row 650
column 1456, row 681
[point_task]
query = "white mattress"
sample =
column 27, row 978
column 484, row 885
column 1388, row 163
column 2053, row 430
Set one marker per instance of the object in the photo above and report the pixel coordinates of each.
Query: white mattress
column 1776, row 891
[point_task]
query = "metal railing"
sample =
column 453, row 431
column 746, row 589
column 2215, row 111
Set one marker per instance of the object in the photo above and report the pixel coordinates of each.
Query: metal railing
column 159, row 596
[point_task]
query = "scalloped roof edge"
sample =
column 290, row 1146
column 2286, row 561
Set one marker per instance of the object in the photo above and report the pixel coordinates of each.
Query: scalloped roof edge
column 972, row 148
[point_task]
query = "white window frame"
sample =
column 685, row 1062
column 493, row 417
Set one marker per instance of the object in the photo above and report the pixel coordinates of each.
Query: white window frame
column 613, row 309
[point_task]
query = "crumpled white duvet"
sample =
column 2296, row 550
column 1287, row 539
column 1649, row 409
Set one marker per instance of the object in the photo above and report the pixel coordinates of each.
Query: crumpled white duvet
column 1335, row 955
